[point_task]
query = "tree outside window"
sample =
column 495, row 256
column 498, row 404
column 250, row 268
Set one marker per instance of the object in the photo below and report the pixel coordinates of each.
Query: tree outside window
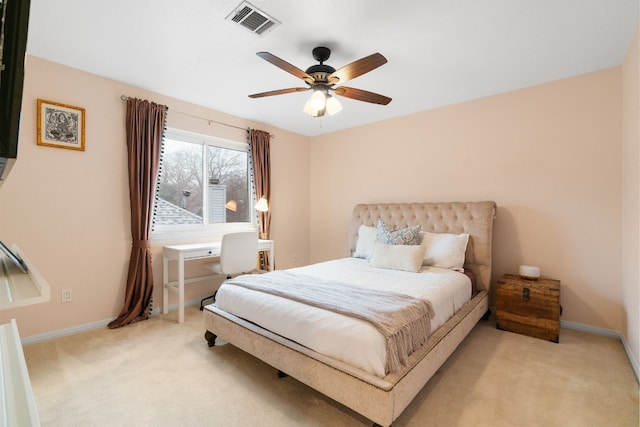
column 202, row 181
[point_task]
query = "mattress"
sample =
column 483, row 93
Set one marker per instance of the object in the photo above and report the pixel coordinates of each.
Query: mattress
column 352, row 341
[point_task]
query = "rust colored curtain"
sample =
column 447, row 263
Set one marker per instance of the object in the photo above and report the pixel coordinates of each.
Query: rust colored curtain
column 145, row 130
column 259, row 143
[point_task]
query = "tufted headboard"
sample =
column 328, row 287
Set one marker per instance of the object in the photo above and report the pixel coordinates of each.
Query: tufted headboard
column 473, row 218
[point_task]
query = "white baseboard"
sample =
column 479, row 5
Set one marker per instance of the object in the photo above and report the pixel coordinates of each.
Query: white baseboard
column 591, row 329
column 65, row 332
column 90, row 326
column 632, row 360
column 607, row 333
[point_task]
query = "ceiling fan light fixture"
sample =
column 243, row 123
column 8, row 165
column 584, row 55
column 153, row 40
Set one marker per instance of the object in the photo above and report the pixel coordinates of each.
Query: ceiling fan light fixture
column 318, row 100
column 333, row 105
column 307, row 109
column 317, row 103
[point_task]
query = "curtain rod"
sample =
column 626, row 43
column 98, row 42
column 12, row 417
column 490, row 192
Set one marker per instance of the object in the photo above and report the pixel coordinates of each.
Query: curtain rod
column 125, row 98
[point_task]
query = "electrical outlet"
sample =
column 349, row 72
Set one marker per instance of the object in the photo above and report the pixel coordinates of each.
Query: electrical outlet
column 66, row 295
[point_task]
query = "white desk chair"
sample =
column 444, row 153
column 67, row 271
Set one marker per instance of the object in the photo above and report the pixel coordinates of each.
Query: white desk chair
column 237, row 255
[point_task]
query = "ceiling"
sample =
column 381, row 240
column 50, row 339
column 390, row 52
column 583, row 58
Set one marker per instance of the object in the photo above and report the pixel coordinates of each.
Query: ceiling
column 439, row 52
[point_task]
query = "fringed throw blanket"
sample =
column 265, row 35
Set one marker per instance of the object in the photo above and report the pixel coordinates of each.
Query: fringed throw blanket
column 404, row 321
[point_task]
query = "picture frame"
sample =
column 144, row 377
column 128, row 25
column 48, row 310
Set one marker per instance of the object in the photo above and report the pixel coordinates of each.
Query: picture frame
column 61, row 125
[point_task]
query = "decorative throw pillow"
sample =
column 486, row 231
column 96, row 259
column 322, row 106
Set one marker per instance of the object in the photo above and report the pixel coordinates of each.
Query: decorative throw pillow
column 366, row 240
column 406, row 236
column 397, row 257
column 444, row 250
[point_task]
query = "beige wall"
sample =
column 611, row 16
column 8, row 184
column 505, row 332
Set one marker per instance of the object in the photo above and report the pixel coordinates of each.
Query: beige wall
column 550, row 156
column 68, row 211
column 631, row 199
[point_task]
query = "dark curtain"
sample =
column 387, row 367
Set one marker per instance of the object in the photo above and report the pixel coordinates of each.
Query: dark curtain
column 145, row 127
column 259, row 142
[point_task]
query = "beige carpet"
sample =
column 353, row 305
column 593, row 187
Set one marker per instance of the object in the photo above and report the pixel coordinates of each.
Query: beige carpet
column 159, row 373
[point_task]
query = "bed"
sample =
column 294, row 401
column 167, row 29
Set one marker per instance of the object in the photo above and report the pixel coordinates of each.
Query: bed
column 378, row 392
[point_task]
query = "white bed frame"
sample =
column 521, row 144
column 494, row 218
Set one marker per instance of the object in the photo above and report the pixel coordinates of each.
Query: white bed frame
column 381, row 400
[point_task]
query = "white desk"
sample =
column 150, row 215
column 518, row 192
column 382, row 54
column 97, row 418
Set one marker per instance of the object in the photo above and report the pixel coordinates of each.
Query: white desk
column 182, row 253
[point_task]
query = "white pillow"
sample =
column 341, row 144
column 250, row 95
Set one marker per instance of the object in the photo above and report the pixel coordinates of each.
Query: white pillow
column 366, row 240
column 397, row 257
column 444, row 250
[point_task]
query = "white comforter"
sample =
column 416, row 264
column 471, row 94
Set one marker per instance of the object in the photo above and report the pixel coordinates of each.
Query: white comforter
column 349, row 340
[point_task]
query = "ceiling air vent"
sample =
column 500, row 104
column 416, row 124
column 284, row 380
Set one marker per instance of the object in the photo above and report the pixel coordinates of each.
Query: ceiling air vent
column 253, row 19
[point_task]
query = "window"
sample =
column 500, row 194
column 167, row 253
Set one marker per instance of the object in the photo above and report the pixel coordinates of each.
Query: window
column 204, row 183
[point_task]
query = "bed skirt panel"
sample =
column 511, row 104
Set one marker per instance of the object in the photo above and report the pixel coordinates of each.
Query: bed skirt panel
column 381, row 400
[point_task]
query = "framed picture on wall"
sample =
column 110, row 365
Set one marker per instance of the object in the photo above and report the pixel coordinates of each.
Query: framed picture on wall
column 60, row 125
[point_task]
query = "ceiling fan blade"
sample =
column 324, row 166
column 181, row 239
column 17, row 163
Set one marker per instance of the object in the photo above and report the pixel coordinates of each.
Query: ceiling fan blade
column 279, row 92
column 362, row 95
column 359, row 67
column 284, row 65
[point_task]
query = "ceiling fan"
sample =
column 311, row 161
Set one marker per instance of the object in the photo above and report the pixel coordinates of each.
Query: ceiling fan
column 322, row 79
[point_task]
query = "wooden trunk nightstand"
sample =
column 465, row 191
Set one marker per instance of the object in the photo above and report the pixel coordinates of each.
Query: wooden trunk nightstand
column 529, row 307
